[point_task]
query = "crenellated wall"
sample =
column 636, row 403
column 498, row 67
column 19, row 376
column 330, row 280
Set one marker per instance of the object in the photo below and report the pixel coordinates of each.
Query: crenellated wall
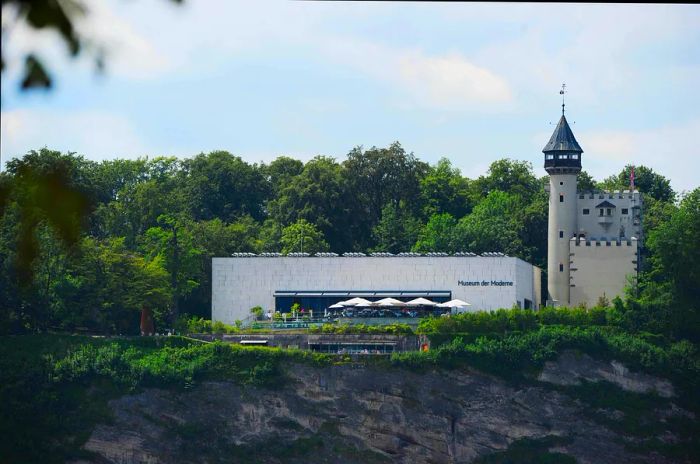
column 601, row 268
column 625, row 219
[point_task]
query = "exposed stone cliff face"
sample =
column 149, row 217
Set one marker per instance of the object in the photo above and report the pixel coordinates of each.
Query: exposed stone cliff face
column 357, row 414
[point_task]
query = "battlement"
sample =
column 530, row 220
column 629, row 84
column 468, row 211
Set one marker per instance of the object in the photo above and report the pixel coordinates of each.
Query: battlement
column 614, row 242
column 609, row 194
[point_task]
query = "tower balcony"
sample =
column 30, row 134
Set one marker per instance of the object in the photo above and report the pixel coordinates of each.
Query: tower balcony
column 605, row 220
column 562, row 163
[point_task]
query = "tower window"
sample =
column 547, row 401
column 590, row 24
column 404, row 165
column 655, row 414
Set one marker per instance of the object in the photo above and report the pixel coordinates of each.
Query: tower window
column 561, row 198
column 561, row 267
column 561, row 234
column 625, row 211
column 549, row 157
column 574, row 156
column 609, row 212
column 586, row 211
column 561, row 183
column 602, row 212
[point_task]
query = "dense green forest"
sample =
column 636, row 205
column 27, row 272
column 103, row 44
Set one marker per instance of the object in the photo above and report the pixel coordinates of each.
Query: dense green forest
column 86, row 244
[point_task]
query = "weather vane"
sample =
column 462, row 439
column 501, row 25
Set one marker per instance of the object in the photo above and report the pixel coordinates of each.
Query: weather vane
column 562, row 92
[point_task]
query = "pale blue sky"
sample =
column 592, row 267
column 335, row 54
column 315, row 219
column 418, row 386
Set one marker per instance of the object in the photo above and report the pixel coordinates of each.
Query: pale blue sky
column 471, row 82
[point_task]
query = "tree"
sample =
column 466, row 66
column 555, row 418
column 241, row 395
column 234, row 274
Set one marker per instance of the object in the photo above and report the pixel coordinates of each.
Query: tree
column 281, row 171
column 173, row 243
column 221, row 185
column 438, row 235
column 302, row 236
column 645, row 180
column 215, row 238
column 675, row 259
column 375, row 178
column 47, row 187
column 506, row 175
column 318, row 195
column 151, row 190
column 490, row 227
column 585, row 183
column 444, row 190
column 397, row 230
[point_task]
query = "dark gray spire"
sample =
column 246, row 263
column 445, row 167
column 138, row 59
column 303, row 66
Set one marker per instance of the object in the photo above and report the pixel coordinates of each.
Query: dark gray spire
column 563, row 139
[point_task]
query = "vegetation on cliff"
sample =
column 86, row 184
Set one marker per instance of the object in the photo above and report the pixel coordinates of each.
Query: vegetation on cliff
column 55, row 388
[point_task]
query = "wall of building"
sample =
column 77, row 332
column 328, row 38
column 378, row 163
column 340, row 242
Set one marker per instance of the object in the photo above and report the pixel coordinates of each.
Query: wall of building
column 610, row 227
column 601, row 268
column 239, row 284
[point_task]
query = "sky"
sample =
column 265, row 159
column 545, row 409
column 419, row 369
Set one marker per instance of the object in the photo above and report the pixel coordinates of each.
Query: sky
column 473, row 82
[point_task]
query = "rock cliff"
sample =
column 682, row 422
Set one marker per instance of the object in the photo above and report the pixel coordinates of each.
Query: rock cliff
column 357, row 413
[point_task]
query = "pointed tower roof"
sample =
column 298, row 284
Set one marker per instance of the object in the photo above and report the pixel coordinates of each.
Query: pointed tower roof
column 562, row 139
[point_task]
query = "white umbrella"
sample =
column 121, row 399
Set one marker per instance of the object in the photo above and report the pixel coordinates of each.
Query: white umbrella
column 456, row 303
column 388, row 302
column 337, row 305
column 420, row 302
column 355, row 302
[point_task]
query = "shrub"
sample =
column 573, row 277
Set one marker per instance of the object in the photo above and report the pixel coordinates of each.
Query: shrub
column 394, row 329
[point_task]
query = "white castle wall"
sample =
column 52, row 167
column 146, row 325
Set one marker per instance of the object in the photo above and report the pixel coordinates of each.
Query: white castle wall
column 591, row 225
column 239, row 284
column 601, row 268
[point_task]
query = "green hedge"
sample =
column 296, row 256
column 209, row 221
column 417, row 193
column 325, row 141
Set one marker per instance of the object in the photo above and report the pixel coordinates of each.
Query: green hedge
column 521, row 320
column 395, row 329
column 512, row 355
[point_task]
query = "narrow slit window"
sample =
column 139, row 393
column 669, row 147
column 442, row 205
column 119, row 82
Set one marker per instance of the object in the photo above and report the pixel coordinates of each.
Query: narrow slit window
column 561, row 198
column 561, row 267
column 561, row 234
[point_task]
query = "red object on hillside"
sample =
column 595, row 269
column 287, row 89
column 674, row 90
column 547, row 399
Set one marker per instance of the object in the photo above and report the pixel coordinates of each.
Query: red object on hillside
column 147, row 325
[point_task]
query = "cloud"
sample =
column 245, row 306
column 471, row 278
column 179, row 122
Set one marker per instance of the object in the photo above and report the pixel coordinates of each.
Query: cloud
column 129, row 53
column 97, row 134
column 450, row 81
column 446, row 81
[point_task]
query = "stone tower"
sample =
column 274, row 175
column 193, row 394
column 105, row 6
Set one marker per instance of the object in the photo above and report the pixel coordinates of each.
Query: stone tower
column 562, row 160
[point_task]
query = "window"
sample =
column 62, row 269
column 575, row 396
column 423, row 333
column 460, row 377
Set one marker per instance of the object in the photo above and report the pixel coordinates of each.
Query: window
column 609, row 212
column 561, row 267
column 586, row 211
column 561, row 234
column 602, row 212
column 625, row 211
column 574, row 156
column 549, row 157
column 561, row 198
column 561, row 183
